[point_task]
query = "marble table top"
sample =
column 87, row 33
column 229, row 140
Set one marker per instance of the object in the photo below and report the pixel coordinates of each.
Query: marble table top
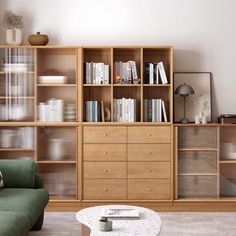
column 149, row 223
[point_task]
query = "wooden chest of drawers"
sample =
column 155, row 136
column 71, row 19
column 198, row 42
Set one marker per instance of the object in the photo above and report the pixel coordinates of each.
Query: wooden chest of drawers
column 127, row 162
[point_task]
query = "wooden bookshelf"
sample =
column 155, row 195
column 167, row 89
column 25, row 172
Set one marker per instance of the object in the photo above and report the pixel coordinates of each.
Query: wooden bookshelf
column 93, row 151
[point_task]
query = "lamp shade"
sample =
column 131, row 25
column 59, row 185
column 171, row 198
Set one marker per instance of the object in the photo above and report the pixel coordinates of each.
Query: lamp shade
column 184, row 89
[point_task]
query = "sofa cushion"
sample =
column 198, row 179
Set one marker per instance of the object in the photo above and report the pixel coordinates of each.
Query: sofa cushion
column 1, row 180
column 13, row 223
column 27, row 202
column 18, row 173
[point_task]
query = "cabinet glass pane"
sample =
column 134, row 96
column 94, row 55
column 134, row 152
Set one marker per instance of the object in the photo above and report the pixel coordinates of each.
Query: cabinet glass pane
column 228, row 161
column 17, row 143
column 56, row 144
column 59, row 180
column 197, row 162
column 197, row 137
column 197, row 187
column 17, row 76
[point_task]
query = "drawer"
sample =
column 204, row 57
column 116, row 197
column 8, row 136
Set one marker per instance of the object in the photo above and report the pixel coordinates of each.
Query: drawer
column 104, row 170
column 99, row 189
column 104, row 152
column 104, row 134
column 149, row 152
column 149, row 189
column 149, row 134
column 148, row 170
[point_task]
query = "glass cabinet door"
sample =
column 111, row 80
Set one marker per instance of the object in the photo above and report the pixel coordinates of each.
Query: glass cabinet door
column 17, row 80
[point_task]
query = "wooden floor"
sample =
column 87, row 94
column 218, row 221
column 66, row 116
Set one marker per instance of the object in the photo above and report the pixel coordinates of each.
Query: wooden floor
column 173, row 224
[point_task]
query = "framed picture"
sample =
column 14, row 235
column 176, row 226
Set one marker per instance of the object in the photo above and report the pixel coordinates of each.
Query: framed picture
column 199, row 102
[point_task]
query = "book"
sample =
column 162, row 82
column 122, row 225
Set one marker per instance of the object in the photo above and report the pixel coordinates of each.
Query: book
column 162, row 73
column 125, row 72
column 128, row 212
column 96, row 73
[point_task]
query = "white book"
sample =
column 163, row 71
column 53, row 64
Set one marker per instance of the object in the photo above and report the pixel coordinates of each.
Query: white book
column 135, row 69
column 151, row 79
column 153, row 110
column 128, row 212
column 164, row 110
column 135, row 111
column 162, row 73
column 131, row 110
column 97, row 74
column 157, row 74
column 158, row 110
column 106, row 74
column 123, row 110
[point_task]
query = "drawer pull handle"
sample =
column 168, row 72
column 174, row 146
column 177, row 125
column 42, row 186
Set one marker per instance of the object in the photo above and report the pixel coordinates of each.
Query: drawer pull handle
column 149, row 189
column 105, row 170
column 105, row 134
column 105, row 189
column 150, row 135
column 105, row 152
column 149, row 170
column 149, row 153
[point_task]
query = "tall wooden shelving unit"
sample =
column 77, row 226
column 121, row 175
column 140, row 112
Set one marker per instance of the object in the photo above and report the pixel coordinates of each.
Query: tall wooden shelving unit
column 105, row 164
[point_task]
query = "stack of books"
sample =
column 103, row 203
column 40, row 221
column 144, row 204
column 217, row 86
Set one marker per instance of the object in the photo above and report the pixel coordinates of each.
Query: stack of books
column 96, row 73
column 154, row 110
column 126, row 72
column 124, row 110
column 154, row 73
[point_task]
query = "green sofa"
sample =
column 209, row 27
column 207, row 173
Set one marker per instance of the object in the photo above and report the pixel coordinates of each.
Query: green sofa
column 23, row 198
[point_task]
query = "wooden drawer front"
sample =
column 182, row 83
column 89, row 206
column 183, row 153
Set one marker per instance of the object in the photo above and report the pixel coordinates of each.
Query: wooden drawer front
column 104, row 134
column 149, row 152
column 149, row 189
column 104, row 152
column 148, row 170
column 149, row 134
column 104, row 170
column 99, row 189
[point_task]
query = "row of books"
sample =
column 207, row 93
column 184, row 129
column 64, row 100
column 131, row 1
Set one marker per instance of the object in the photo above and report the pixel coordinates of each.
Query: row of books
column 126, row 72
column 154, row 73
column 94, row 111
column 155, row 110
column 124, row 110
column 96, row 73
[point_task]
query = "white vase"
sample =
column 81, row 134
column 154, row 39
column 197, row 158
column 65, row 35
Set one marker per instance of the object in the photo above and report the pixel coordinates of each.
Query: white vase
column 14, row 36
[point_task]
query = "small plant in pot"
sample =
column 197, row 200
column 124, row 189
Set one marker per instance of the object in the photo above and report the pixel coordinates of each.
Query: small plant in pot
column 14, row 25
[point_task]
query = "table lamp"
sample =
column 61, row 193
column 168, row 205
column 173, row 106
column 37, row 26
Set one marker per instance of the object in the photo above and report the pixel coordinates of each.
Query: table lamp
column 184, row 90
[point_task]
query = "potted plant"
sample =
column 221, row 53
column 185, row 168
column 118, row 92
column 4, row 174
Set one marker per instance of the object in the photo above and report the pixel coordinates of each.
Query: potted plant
column 14, row 25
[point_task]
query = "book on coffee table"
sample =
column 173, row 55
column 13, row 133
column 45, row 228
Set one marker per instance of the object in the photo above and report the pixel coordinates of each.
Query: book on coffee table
column 120, row 213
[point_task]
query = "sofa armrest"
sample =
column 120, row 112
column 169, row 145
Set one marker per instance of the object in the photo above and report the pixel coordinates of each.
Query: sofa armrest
column 38, row 181
column 18, row 173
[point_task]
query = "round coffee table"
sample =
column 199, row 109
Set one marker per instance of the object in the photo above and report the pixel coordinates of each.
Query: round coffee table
column 149, row 223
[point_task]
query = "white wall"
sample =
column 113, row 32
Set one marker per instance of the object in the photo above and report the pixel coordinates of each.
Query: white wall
column 203, row 32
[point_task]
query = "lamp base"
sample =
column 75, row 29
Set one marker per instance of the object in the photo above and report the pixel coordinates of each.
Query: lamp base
column 184, row 121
